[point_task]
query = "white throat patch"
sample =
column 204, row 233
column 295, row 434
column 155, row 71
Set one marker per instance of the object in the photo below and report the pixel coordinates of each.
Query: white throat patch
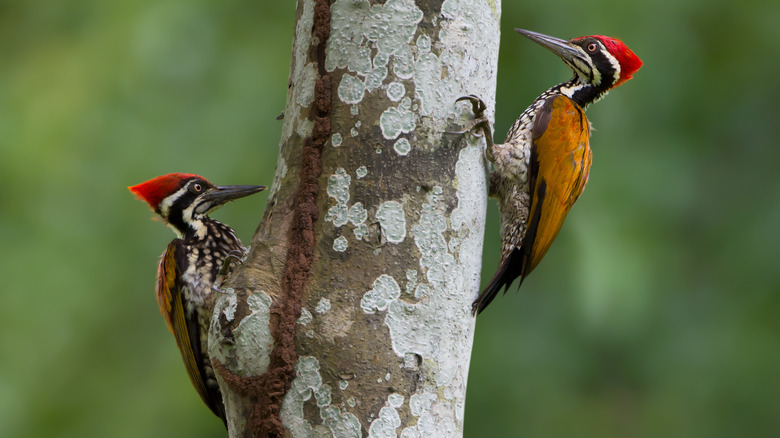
column 189, row 217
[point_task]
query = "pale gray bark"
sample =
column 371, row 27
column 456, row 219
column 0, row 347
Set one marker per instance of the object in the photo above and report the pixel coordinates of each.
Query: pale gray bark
column 384, row 335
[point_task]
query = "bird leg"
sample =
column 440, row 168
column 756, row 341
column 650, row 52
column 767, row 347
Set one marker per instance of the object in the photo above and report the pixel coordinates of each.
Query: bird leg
column 232, row 256
column 480, row 126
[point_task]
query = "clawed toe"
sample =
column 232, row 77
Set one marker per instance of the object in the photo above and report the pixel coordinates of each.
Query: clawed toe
column 477, row 105
column 469, row 128
column 479, row 126
column 232, row 256
column 216, row 288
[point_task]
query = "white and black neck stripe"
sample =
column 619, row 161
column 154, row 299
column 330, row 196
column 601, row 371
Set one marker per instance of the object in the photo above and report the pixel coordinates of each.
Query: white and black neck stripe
column 582, row 94
column 595, row 74
column 185, row 212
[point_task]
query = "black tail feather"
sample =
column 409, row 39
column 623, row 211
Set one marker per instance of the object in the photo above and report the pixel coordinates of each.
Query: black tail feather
column 508, row 270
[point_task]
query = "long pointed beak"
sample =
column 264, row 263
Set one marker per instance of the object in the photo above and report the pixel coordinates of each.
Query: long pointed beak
column 558, row 46
column 223, row 194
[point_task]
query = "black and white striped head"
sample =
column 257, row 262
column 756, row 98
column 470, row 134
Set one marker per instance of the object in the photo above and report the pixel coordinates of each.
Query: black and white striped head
column 184, row 199
column 599, row 64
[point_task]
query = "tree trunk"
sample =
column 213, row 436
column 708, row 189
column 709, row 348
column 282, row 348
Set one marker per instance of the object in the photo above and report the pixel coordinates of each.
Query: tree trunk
column 351, row 314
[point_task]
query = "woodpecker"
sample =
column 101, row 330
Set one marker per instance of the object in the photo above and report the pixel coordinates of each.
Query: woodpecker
column 543, row 165
column 191, row 264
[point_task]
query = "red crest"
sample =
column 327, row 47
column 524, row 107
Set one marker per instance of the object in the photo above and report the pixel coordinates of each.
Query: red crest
column 157, row 189
column 629, row 62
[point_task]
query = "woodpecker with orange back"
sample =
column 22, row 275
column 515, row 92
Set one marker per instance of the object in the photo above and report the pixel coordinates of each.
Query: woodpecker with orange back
column 542, row 167
column 191, row 266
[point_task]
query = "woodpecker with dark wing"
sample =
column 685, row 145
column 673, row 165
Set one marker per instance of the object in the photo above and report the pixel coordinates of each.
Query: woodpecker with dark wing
column 543, row 166
column 190, row 265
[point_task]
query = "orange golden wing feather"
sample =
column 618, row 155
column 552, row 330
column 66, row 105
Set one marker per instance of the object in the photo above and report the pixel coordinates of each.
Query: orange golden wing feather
column 185, row 330
column 560, row 162
column 167, row 277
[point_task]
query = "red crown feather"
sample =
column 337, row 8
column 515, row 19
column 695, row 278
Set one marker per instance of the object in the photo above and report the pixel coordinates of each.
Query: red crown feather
column 629, row 62
column 157, row 189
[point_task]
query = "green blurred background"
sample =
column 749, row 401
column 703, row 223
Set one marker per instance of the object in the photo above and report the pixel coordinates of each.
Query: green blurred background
column 654, row 314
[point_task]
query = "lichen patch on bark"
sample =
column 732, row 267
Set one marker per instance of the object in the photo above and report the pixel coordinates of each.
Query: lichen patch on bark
column 307, row 384
column 392, row 220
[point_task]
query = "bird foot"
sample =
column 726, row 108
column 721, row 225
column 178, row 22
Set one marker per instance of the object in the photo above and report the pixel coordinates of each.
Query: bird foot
column 232, row 256
column 479, row 126
column 477, row 105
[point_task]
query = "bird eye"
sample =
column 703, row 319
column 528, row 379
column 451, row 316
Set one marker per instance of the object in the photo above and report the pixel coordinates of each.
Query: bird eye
column 197, row 187
column 592, row 47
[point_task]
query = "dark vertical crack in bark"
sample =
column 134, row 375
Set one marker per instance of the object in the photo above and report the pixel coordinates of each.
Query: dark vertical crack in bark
column 265, row 419
column 267, row 391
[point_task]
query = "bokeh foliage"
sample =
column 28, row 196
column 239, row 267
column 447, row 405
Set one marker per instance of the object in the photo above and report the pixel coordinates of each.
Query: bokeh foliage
column 654, row 314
